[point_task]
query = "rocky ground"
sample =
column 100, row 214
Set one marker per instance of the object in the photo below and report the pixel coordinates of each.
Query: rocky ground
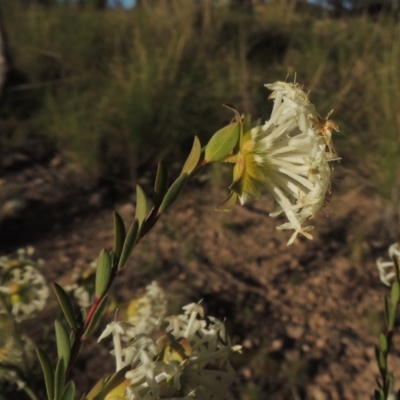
column 307, row 315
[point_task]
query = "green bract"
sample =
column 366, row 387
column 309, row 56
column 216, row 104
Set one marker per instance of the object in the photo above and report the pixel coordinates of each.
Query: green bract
column 222, row 142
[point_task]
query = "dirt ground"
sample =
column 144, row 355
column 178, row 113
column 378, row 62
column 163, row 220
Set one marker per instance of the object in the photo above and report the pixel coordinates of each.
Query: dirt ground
column 307, row 315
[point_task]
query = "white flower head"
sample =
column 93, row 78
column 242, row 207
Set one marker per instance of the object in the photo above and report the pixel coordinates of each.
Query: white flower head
column 386, row 269
column 22, row 285
column 189, row 359
column 288, row 156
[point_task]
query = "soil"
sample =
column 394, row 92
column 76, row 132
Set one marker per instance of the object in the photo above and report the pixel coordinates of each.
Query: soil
column 308, row 315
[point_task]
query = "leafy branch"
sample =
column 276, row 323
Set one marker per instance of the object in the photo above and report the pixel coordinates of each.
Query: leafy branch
column 110, row 263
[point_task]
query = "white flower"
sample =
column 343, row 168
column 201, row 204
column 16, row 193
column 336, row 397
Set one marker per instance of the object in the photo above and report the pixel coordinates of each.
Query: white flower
column 117, row 329
column 146, row 311
column 288, row 156
column 189, row 360
column 22, row 285
column 295, row 155
column 387, row 268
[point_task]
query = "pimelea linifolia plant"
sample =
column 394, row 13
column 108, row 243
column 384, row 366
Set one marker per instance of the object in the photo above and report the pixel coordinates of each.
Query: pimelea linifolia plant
column 187, row 356
column 389, row 274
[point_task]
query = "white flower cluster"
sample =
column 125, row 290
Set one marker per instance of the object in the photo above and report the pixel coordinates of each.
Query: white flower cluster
column 147, row 311
column 293, row 149
column 22, row 287
column 386, row 268
column 187, row 359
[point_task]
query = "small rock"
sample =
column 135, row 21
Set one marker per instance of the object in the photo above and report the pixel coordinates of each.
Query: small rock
column 295, row 331
column 277, row 345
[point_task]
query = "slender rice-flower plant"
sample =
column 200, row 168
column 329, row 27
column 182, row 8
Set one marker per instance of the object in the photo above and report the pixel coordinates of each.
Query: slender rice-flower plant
column 189, row 358
column 288, row 156
column 22, row 286
column 387, row 268
column 389, row 274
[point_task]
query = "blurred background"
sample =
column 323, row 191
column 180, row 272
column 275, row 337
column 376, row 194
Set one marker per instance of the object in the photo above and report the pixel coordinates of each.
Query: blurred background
column 94, row 93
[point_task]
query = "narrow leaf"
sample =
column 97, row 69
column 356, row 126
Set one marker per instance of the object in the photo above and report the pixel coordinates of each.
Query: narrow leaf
column 381, row 361
column 103, row 272
column 129, row 243
column 222, row 142
column 119, row 234
column 390, row 381
column 246, row 124
column 387, row 310
column 63, row 343
column 116, row 382
column 378, row 394
column 161, row 183
column 392, row 317
column 48, row 372
column 229, row 203
column 59, row 379
column 383, row 343
column 96, row 391
column 193, row 158
column 66, row 305
column 173, row 192
column 395, row 294
column 82, row 317
column 141, row 205
column 69, row 391
column 96, row 318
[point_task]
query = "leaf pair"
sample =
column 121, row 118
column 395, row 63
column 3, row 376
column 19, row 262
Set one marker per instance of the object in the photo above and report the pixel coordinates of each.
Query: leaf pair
column 55, row 379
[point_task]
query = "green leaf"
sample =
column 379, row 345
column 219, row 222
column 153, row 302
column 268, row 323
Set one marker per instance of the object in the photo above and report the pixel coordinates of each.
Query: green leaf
column 379, row 395
column 103, row 272
column 63, row 343
column 390, row 381
column 129, row 243
column 392, row 316
column 119, row 234
column 116, row 379
column 141, row 205
column 69, row 391
column 48, row 372
column 193, row 158
column 173, row 192
column 222, row 142
column 82, row 317
column 59, row 379
column 93, row 324
column 381, row 359
column 383, row 343
column 161, row 183
column 229, row 203
column 66, row 305
column 71, row 337
column 387, row 310
column 395, row 294
column 96, row 391
column 246, row 124
column 382, row 362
